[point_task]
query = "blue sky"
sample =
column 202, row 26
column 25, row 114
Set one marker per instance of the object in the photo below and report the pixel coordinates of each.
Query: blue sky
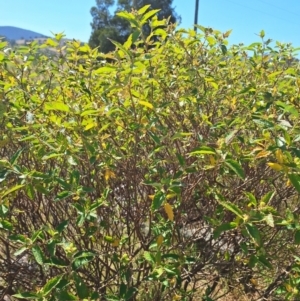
column 280, row 19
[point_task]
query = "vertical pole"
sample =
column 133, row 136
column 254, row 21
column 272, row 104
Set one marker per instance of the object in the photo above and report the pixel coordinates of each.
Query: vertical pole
column 196, row 15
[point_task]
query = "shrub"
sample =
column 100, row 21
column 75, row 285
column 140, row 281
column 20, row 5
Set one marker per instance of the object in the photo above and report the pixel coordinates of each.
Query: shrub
column 165, row 170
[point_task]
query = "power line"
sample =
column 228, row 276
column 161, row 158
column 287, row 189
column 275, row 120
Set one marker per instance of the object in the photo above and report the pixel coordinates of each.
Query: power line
column 276, row 17
column 281, row 8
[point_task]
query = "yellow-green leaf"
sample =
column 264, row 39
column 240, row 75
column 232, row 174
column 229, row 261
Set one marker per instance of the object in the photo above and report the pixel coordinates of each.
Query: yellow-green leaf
column 203, row 150
column 56, row 106
column 146, row 104
column 17, row 187
column 275, row 166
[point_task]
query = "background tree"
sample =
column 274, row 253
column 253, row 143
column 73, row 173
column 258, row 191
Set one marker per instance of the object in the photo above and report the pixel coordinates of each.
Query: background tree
column 107, row 26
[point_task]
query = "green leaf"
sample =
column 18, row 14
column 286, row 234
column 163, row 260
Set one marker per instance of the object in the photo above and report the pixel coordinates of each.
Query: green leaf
column 229, row 206
column 15, row 157
column 121, row 47
column 154, row 138
column 56, row 106
column 224, row 227
column 37, row 234
column 180, row 159
column 254, row 233
column 67, row 296
column 142, row 10
column 295, row 180
column 38, row 255
column 128, row 43
column 6, row 225
column 63, row 195
column 57, row 262
column 106, row 69
column 252, row 261
column 51, row 284
column 53, row 155
column 176, row 257
column 85, row 254
column 224, row 49
column 95, row 296
column 171, row 272
column 158, row 200
column 297, row 237
column 203, row 150
column 20, row 251
column 81, row 288
column 15, row 188
column 236, row 168
column 82, row 258
column 252, row 198
column 18, row 238
column 62, row 226
column 135, row 35
column 51, row 43
column 130, row 292
column 149, row 257
column 27, row 296
column 30, row 191
column 263, row 123
column 109, row 239
column 267, row 197
column 148, row 15
column 122, row 289
column 129, row 17
column 265, row 262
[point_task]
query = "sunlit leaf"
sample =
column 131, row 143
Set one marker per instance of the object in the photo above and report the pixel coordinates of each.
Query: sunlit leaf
column 15, row 188
column 56, row 106
column 38, row 255
column 275, row 166
column 142, row 10
column 202, row 150
column 146, row 104
column 51, row 284
column 149, row 257
column 262, row 154
column 231, row 207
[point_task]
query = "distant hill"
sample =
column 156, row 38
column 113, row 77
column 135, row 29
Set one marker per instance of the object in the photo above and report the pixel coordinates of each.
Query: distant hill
column 15, row 33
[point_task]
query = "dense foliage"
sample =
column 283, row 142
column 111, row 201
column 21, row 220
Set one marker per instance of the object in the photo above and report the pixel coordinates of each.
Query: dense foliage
column 107, row 26
column 164, row 171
